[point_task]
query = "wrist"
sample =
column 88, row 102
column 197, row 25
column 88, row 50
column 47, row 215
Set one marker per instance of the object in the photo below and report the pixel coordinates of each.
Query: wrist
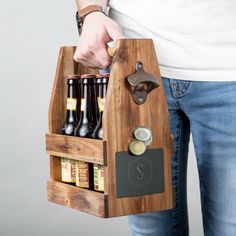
column 88, row 10
column 84, row 3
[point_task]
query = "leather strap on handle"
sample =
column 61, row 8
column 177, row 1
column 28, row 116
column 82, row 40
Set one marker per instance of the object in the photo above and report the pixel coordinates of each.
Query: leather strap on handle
column 89, row 9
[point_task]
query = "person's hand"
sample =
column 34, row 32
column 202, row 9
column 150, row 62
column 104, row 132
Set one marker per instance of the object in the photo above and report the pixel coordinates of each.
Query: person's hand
column 98, row 30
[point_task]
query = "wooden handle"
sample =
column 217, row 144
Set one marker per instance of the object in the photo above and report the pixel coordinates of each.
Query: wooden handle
column 111, row 51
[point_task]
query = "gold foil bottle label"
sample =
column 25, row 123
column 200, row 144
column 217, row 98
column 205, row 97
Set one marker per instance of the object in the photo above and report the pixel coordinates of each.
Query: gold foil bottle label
column 101, row 104
column 71, row 104
column 82, row 107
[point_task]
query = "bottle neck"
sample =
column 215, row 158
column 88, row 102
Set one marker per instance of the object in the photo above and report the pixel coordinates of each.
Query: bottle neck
column 71, row 103
column 86, row 103
column 103, row 95
column 104, row 89
column 102, row 98
column 72, row 91
column 99, row 99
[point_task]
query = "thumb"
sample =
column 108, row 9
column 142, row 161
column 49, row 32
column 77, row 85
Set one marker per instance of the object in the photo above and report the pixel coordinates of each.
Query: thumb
column 114, row 31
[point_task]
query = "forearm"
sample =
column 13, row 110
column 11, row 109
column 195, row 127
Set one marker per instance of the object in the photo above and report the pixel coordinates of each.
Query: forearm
column 83, row 3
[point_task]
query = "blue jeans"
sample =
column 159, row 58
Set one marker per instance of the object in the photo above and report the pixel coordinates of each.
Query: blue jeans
column 208, row 109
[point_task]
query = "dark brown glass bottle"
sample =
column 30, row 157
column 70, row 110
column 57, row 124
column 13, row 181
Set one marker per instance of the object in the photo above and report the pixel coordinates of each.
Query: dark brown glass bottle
column 68, row 171
column 102, row 82
column 94, row 98
column 87, row 121
column 73, row 93
column 79, row 97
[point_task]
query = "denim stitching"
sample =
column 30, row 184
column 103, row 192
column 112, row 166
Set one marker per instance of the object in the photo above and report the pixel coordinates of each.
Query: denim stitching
column 171, row 92
column 174, row 88
column 179, row 87
column 175, row 175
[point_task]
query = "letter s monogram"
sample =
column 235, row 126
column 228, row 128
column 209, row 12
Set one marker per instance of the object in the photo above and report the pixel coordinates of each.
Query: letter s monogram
column 139, row 168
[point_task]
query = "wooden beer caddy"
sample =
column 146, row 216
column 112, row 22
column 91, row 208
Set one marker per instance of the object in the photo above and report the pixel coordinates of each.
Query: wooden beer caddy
column 121, row 116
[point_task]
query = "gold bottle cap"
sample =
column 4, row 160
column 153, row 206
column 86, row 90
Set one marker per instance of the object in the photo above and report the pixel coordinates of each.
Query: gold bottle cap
column 137, row 147
column 142, row 133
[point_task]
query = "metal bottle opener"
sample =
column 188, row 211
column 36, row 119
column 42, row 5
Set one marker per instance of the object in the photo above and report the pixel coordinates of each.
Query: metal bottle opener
column 141, row 83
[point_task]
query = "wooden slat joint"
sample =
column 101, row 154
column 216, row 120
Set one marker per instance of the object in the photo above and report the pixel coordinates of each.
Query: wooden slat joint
column 106, row 211
column 105, row 152
column 90, row 150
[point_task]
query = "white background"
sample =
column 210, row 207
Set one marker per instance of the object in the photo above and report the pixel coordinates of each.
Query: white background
column 31, row 32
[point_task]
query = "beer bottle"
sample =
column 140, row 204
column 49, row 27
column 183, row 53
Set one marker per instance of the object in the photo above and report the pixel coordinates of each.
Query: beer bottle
column 84, row 175
column 71, row 105
column 71, row 121
column 95, row 102
column 102, row 82
column 78, row 98
column 99, row 96
column 87, row 121
column 98, row 177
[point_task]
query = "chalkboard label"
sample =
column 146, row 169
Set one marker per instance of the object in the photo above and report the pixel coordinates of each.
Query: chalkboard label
column 139, row 175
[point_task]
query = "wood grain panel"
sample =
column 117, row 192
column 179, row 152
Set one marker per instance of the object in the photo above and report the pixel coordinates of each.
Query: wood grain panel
column 92, row 202
column 55, row 168
column 122, row 116
column 84, row 149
